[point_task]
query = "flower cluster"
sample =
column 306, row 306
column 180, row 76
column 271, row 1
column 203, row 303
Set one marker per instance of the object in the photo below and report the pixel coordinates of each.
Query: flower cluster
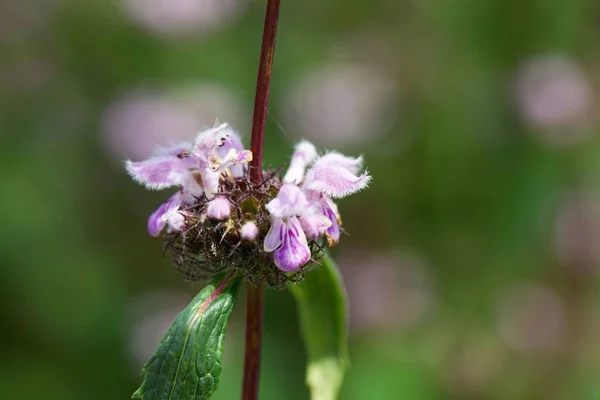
column 196, row 168
column 304, row 207
column 219, row 220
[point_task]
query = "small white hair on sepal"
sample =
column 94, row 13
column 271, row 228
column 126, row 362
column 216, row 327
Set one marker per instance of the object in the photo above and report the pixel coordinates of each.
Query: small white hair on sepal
column 304, row 154
column 206, row 141
column 217, row 127
column 134, row 170
column 341, row 188
column 129, row 167
column 336, row 159
column 307, row 149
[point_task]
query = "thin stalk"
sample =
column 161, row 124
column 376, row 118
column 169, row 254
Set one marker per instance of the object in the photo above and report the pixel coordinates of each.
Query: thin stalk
column 255, row 296
column 261, row 99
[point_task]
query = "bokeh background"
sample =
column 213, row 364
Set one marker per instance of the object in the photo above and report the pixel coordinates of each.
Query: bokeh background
column 472, row 261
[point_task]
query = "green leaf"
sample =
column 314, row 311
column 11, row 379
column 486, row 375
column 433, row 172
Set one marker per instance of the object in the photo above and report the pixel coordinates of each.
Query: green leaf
column 187, row 364
column 322, row 310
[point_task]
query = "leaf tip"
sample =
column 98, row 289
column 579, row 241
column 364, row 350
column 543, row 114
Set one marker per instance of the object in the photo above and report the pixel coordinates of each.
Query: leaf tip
column 325, row 376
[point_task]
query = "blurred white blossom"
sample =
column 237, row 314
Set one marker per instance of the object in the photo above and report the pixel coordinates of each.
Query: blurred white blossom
column 577, row 234
column 342, row 104
column 140, row 118
column 532, row 319
column 386, row 291
column 182, row 17
column 474, row 364
column 555, row 97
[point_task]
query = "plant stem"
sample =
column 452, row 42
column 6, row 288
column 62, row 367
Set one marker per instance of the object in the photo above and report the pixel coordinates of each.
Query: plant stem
column 255, row 296
column 263, row 81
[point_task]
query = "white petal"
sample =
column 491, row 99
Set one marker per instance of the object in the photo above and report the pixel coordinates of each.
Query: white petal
column 304, row 154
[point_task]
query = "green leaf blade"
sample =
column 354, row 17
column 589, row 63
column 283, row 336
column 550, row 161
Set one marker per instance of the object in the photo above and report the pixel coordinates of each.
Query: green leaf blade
column 188, row 361
column 322, row 310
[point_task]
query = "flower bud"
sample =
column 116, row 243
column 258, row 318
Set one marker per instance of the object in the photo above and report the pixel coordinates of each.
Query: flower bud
column 249, row 231
column 218, row 208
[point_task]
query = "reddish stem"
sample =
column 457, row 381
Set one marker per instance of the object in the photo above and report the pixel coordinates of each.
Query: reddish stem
column 261, row 99
column 255, row 296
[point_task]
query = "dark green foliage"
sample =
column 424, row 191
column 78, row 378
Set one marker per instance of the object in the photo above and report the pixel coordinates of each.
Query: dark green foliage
column 188, row 362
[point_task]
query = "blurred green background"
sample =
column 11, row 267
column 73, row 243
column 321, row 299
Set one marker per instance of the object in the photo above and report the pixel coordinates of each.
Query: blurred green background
column 472, row 262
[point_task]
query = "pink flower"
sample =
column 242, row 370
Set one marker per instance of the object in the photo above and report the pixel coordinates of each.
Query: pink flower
column 331, row 175
column 307, row 210
column 194, row 168
column 334, row 175
column 210, row 172
column 285, row 238
column 204, row 148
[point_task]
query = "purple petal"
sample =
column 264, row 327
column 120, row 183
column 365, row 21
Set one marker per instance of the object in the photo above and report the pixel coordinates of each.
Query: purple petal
column 294, row 251
column 243, row 157
column 304, row 154
column 290, row 201
column 159, row 172
column 165, row 212
column 185, row 156
column 172, row 149
column 333, row 232
column 181, row 150
column 335, row 181
column 335, row 159
column 314, row 224
column 156, row 222
column 274, row 237
column 234, row 143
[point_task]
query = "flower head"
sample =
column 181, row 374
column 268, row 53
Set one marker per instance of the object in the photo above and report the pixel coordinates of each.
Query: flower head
column 218, row 220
